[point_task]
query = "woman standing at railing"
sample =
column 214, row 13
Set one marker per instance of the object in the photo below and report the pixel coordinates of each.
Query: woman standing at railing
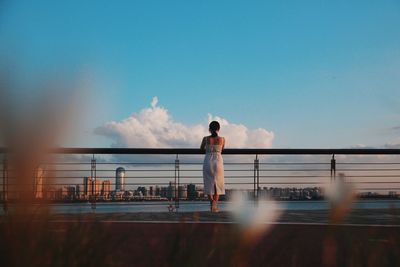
column 213, row 166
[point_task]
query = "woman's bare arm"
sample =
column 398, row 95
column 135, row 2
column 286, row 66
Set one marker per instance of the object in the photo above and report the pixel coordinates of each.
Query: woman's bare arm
column 203, row 143
column 223, row 142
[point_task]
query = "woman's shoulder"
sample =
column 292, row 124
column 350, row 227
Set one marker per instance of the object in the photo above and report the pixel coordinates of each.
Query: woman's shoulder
column 216, row 137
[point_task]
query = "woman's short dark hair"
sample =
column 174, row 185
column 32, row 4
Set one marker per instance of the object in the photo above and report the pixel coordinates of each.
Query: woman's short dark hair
column 214, row 127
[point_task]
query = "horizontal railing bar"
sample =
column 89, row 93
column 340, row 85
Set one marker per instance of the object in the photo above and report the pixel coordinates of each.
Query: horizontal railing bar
column 273, row 182
column 226, row 171
column 144, row 163
column 66, row 163
column 110, row 170
column 226, row 177
column 378, row 189
column 366, row 163
column 372, row 176
column 293, row 176
column 357, row 188
column 188, row 170
column 293, row 163
column 199, row 163
column 359, row 170
column 294, row 170
column 192, row 176
column 197, row 176
column 294, row 183
column 108, row 163
column 231, row 151
column 225, row 163
column 146, row 177
column 370, row 182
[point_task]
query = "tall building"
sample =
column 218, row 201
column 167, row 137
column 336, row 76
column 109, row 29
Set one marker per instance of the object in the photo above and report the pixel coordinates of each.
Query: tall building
column 106, row 188
column 91, row 186
column 142, row 190
column 120, row 179
column 71, row 192
column 96, row 187
column 80, row 192
column 164, row 191
column 157, row 191
column 191, row 192
column 61, row 193
column 87, row 185
column 38, row 183
column 171, row 190
column 182, row 193
column 151, row 191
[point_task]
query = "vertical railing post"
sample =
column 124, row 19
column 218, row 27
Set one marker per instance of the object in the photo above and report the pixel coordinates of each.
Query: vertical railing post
column 177, row 182
column 93, row 180
column 258, row 177
column 256, row 180
column 5, row 185
column 333, row 168
column 35, row 181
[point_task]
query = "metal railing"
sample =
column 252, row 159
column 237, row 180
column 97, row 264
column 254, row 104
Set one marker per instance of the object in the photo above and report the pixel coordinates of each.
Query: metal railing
column 250, row 169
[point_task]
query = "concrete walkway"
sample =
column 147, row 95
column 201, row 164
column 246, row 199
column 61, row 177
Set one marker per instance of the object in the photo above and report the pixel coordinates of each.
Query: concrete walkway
column 362, row 217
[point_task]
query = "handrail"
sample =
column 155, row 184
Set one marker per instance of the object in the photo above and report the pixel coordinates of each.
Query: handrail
column 228, row 151
column 258, row 180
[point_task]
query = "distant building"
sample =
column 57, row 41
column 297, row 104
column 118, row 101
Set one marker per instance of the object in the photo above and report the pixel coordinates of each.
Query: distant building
column 164, row 191
column 106, row 188
column 128, row 195
column 171, row 190
column 61, row 193
column 191, row 192
column 142, row 191
column 120, row 179
column 182, row 193
column 151, row 191
column 79, row 191
column 96, row 187
column 71, row 192
column 200, row 192
column 117, row 195
column 87, row 185
column 91, row 186
column 38, row 183
column 157, row 191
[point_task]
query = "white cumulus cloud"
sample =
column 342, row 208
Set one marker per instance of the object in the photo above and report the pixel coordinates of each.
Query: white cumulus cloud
column 154, row 127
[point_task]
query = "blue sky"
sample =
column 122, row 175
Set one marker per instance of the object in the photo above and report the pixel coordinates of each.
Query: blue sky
column 315, row 73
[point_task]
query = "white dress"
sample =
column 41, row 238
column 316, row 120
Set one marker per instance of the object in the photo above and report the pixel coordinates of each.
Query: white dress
column 213, row 170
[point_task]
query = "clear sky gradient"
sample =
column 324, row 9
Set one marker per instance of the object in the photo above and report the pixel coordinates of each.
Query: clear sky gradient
column 316, row 73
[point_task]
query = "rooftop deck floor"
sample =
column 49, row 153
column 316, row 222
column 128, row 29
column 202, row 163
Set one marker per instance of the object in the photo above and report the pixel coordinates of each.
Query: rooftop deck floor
column 390, row 217
column 297, row 238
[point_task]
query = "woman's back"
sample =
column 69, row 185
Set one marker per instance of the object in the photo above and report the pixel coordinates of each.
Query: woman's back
column 214, row 144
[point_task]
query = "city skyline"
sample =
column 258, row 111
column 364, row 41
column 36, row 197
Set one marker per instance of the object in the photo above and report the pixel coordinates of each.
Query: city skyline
column 236, row 178
column 96, row 188
column 192, row 192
